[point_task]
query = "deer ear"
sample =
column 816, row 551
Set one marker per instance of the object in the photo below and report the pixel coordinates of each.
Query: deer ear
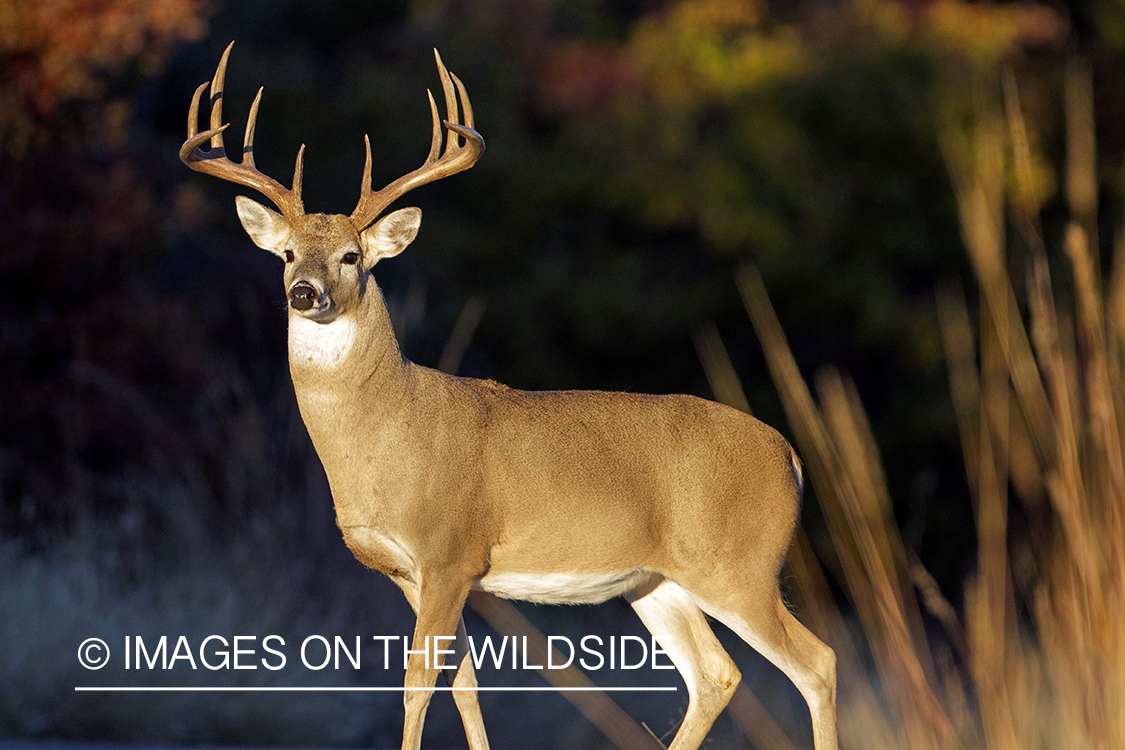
column 267, row 228
column 390, row 235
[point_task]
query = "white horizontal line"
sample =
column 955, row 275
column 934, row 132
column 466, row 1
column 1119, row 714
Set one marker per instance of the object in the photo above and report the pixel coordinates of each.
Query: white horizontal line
column 364, row 689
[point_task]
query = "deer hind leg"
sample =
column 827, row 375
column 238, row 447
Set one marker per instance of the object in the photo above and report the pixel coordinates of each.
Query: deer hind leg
column 772, row 630
column 683, row 633
column 466, row 699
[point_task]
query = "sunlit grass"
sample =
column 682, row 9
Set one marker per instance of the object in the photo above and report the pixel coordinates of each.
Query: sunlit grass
column 1036, row 658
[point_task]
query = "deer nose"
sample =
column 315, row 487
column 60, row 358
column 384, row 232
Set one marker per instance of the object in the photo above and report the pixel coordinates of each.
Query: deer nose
column 302, row 296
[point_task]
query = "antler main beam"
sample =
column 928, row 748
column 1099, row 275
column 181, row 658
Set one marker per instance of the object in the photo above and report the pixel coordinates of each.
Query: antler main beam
column 457, row 157
column 215, row 161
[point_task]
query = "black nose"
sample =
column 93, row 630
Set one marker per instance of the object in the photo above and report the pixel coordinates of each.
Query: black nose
column 302, row 296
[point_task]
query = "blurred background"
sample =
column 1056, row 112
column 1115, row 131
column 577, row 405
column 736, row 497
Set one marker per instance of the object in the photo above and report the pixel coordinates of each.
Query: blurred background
column 918, row 202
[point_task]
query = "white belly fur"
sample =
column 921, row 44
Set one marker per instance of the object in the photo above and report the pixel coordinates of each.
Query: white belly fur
column 324, row 344
column 563, row 588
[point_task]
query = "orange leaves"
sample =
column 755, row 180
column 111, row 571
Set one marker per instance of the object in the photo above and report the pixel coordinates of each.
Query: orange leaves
column 55, row 51
column 67, row 41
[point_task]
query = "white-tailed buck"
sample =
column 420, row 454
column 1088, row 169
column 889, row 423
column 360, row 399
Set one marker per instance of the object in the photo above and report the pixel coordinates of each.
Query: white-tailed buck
column 450, row 484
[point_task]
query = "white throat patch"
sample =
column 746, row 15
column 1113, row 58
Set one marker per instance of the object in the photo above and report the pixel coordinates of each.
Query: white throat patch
column 324, row 344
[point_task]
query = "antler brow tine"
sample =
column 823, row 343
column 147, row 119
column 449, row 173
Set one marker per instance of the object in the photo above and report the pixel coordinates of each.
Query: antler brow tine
column 193, row 112
column 251, row 124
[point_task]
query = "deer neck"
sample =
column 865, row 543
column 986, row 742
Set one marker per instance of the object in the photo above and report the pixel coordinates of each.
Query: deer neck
column 347, row 371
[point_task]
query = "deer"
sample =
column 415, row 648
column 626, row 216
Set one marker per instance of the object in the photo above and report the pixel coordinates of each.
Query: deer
column 445, row 484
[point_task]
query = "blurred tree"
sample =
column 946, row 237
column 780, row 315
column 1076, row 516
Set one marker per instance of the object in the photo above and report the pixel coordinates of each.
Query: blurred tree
column 78, row 215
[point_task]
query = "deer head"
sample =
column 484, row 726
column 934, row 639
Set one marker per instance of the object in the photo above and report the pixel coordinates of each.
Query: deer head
column 327, row 256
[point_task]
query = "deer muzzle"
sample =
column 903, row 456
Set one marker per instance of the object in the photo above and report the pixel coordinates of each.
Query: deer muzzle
column 303, row 296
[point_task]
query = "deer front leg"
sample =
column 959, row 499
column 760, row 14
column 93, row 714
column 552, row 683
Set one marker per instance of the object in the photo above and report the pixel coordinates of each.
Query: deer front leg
column 438, row 604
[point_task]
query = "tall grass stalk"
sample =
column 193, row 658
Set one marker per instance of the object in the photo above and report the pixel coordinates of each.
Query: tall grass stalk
column 1036, row 657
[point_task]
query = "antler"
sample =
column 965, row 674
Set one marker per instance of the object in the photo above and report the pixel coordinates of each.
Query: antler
column 215, row 162
column 456, row 158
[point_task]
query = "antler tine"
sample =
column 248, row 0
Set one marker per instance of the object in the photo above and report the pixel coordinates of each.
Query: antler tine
column 365, row 187
column 465, row 105
column 215, row 161
column 435, row 140
column 457, row 157
column 193, row 112
column 218, row 84
column 450, row 101
column 298, row 176
column 248, row 139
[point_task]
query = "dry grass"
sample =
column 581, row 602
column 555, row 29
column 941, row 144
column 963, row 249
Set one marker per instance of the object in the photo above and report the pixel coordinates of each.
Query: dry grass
column 1037, row 657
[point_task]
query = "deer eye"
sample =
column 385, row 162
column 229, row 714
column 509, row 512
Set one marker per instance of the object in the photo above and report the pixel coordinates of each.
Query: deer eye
column 350, row 259
column 288, row 256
